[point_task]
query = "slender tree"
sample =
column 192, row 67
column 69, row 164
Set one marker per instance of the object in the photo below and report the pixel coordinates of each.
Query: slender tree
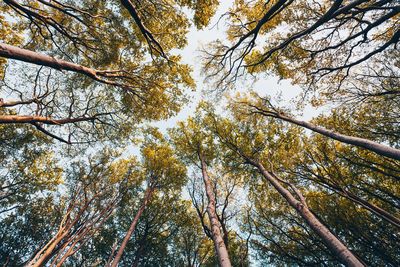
column 230, row 136
column 197, row 148
column 91, row 203
column 270, row 111
column 161, row 169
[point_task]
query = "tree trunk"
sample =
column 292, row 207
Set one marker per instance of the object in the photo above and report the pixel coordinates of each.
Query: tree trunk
column 40, row 119
column 380, row 212
column 351, row 140
column 147, row 197
column 13, row 52
column 44, row 255
column 220, row 248
column 383, row 214
column 330, row 240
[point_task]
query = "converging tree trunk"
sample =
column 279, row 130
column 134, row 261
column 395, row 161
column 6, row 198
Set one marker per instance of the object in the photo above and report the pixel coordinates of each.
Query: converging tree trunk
column 40, row 119
column 220, row 248
column 25, row 55
column 380, row 149
column 376, row 210
column 330, row 240
column 131, row 230
column 76, row 228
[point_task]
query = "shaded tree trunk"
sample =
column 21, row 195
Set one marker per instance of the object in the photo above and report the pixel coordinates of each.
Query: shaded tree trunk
column 220, row 248
column 13, row 52
column 138, row 255
column 381, row 213
column 146, row 199
column 330, row 240
column 351, row 140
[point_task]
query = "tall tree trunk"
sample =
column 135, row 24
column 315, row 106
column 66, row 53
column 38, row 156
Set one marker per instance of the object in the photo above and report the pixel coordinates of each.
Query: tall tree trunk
column 380, row 149
column 40, row 119
column 330, row 240
column 383, row 214
column 48, row 251
column 220, row 248
column 13, row 52
column 61, row 237
column 146, row 199
column 378, row 211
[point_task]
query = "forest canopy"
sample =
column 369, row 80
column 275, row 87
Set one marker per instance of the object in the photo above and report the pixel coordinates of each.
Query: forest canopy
column 118, row 147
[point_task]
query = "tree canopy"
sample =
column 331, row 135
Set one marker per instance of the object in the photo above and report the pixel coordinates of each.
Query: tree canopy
column 118, row 147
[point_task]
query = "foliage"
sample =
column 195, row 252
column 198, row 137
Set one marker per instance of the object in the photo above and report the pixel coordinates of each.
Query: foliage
column 83, row 81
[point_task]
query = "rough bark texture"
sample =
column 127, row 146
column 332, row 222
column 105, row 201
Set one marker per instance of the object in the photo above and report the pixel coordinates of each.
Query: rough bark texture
column 220, row 248
column 147, row 197
column 330, row 240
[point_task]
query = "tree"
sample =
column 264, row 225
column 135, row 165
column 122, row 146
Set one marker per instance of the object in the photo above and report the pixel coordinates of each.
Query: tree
column 228, row 187
column 197, row 147
column 247, row 142
column 161, row 169
column 90, row 203
column 318, row 169
column 265, row 108
column 243, row 181
column 109, row 66
column 318, row 39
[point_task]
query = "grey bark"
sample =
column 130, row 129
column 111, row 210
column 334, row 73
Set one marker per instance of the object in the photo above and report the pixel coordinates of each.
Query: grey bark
column 329, row 239
column 219, row 244
column 380, row 149
column 147, row 197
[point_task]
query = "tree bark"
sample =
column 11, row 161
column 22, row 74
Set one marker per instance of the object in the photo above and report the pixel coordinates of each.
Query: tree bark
column 45, row 254
column 40, row 119
column 380, row 149
column 13, row 52
column 151, row 41
column 15, row 103
column 147, row 197
column 330, row 240
column 381, row 213
column 220, row 248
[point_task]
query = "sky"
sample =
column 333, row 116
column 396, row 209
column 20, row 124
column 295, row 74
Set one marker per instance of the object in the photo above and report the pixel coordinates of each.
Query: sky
column 191, row 54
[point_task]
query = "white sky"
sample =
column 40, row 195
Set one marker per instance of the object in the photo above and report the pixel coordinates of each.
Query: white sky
column 197, row 39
